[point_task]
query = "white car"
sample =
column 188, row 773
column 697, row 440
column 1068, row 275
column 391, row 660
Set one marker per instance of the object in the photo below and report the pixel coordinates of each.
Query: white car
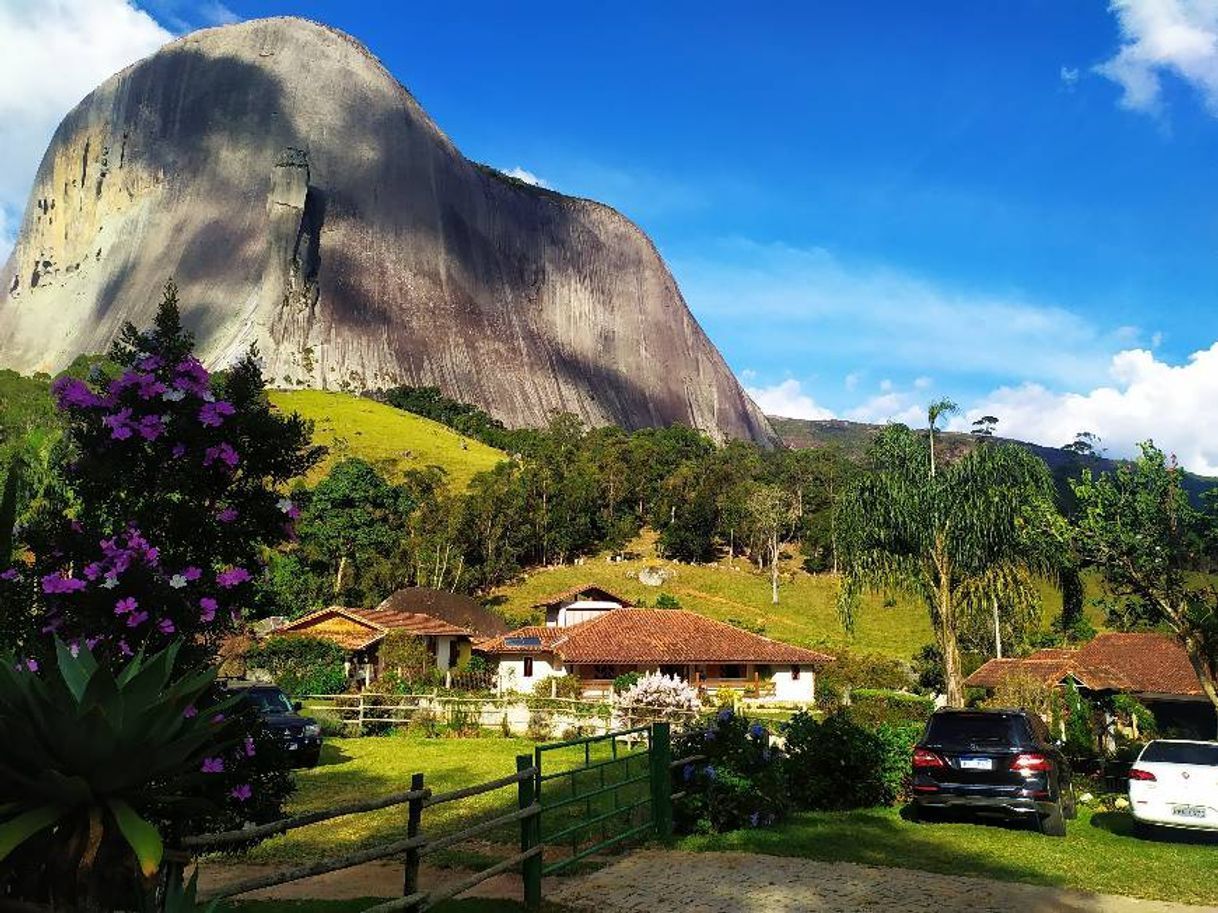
column 1174, row 783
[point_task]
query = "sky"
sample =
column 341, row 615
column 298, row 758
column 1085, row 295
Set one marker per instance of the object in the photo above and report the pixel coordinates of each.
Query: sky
column 868, row 206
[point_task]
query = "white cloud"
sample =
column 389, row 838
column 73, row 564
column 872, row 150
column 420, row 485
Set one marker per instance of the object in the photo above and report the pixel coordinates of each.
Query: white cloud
column 1178, row 37
column 52, row 54
column 805, row 305
column 1069, row 76
column 852, row 380
column 1146, row 398
column 788, row 400
column 528, row 177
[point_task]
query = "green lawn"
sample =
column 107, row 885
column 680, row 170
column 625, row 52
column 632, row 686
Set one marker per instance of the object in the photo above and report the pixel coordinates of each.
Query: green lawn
column 354, row 769
column 353, row 426
column 1099, row 854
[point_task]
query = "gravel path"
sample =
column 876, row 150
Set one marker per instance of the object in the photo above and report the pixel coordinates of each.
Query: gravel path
column 673, row 882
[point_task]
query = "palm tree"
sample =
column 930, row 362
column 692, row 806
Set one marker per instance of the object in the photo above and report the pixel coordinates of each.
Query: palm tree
column 934, row 412
column 960, row 541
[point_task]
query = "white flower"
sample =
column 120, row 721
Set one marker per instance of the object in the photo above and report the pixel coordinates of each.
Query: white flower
column 173, row 395
column 110, row 583
column 177, row 581
column 284, row 505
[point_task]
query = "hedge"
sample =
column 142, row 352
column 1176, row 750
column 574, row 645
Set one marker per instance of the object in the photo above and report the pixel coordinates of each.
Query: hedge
column 301, row 665
column 873, row 706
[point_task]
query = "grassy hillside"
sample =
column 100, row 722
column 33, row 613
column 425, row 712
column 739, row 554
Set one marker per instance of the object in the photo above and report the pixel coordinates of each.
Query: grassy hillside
column 806, row 613
column 389, row 438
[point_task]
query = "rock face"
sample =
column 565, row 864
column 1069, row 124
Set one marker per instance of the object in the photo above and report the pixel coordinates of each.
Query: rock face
column 303, row 200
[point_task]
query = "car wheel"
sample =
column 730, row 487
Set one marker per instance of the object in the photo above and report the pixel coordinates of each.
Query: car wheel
column 1054, row 823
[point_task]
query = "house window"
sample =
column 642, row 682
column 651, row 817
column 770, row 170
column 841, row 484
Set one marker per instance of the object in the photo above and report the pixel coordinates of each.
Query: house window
column 604, row 672
column 528, row 667
column 454, row 655
column 795, row 673
column 732, row 672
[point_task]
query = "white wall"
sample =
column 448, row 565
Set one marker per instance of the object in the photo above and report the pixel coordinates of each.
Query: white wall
column 444, row 646
column 580, row 610
column 511, row 672
column 787, row 689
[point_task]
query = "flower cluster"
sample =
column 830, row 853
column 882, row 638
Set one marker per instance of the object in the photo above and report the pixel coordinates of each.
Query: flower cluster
column 659, row 697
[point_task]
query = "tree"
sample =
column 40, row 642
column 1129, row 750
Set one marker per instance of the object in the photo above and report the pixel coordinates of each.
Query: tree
column 1085, row 444
column 934, row 412
column 985, row 425
column 351, row 515
column 170, row 491
column 956, row 541
column 769, row 515
column 1137, row 526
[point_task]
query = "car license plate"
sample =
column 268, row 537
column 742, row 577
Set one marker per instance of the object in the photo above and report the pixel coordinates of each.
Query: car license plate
column 1188, row 811
column 976, row 764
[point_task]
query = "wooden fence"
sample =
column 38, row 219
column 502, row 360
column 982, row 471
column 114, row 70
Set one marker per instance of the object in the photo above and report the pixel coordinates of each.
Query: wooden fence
column 581, row 807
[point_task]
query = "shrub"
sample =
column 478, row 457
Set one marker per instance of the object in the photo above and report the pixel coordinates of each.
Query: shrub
column 404, row 655
column 840, row 764
column 541, row 725
column 659, row 697
column 871, row 707
column 1024, row 691
column 667, row 601
column 301, row 665
column 332, row 725
column 565, row 686
column 725, row 697
column 626, row 681
column 864, row 670
column 740, row 784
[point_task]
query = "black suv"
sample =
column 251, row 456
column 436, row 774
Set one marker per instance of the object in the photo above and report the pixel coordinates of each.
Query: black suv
column 998, row 762
column 301, row 735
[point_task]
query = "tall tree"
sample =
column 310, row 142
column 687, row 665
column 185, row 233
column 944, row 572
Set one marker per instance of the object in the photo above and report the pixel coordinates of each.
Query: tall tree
column 1137, row 526
column 959, row 541
column 934, row 412
column 769, row 515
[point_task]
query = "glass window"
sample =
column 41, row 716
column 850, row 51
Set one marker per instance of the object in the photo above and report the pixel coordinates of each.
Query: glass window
column 528, row 667
column 795, row 673
column 1202, row 754
column 967, row 729
column 268, row 700
column 732, row 672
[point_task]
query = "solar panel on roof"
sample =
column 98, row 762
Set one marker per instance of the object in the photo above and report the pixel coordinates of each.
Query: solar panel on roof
column 522, row 641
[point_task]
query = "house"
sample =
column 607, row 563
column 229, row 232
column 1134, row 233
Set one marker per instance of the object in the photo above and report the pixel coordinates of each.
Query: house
column 360, row 632
column 1152, row 667
column 578, row 604
column 704, row 652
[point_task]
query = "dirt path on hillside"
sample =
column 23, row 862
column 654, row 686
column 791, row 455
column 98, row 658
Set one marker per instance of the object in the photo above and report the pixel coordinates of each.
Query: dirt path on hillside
column 673, row 882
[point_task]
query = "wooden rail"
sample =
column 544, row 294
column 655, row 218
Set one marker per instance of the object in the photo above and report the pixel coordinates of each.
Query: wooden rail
column 415, row 845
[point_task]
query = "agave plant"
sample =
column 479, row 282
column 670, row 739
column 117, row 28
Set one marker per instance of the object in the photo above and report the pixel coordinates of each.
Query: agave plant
column 94, row 759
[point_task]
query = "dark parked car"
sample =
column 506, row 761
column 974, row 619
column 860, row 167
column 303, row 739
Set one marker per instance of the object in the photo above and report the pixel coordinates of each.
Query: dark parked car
column 301, row 735
column 996, row 762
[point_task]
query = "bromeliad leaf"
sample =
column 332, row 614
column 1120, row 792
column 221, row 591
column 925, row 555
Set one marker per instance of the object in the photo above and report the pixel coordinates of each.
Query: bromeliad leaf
column 16, row 831
column 140, row 835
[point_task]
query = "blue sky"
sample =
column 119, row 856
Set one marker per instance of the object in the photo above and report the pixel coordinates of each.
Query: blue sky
column 872, row 204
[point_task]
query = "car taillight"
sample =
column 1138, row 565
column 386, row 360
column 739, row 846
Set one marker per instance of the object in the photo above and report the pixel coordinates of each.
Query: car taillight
column 1031, row 762
column 925, row 758
column 1136, row 774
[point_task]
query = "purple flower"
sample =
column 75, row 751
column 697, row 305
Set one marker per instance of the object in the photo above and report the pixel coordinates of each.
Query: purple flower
column 725, row 714
column 119, row 424
column 72, row 393
column 124, row 648
column 165, row 626
column 227, row 515
column 179, row 450
column 58, row 583
column 218, row 718
column 151, row 427
column 249, row 747
column 150, row 363
column 754, row 818
column 191, row 573
column 209, row 606
column 135, row 619
column 212, row 415
column 234, row 576
column 126, row 606
column 31, row 664
column 687, row 772
column 223, row 452
column 11, row 574
column 192, row 377
column 756, row 730
column 710, row 772
column 242, row 793
column 190, row 712
column 213, row 765
column 93, row 571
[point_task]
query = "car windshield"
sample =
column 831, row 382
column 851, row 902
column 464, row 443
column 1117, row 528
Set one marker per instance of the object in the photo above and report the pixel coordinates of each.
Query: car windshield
column 267, row 701
column 1204, row 754
column 971, row 729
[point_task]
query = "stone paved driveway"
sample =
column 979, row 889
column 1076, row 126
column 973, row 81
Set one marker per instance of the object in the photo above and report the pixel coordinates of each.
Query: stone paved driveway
column 658, row 881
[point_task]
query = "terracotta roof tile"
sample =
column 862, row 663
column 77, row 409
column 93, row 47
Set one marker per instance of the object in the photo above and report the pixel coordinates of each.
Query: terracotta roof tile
column 1138, row 663
column 374, row 624
column 658, row 636
column 509, row 643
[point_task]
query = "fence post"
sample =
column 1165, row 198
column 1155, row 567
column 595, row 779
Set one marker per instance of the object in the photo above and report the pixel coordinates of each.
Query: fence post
column 530, row 835
column 661, row 779
column 359, row 726
column 410, row 881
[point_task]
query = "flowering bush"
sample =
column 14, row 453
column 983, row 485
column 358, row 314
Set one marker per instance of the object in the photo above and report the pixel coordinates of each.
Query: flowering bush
column 170, row 492
column 841, row 763
column 741, row 783
column 659, row 697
